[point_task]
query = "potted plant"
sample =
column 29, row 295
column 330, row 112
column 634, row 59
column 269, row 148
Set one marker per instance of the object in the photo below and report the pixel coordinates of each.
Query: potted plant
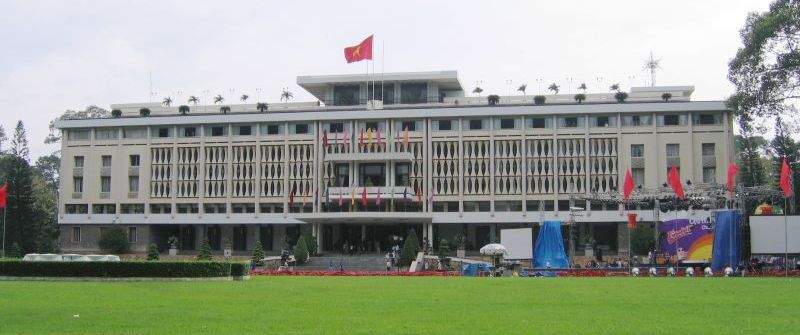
column 588, row 245
column 144, row 112
column 461, row 244
column 228, row 245
column 183, row 109
column 225, row 109
column 539, row 99
column 621, row 96
column 580, row 97
column 493, row 99
column 116, row 113
column 262, row 107
column 666, row 96
column 173, row 245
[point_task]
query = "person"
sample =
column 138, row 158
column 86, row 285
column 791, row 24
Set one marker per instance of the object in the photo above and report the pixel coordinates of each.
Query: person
column 330, row 266
column 341, row 266
column 388, row 262
column 548, row 264
column 635, row 272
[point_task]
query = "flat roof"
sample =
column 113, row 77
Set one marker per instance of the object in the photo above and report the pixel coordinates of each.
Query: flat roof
column 317, row 84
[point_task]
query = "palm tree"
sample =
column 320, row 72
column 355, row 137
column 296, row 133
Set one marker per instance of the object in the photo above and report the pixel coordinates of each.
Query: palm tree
column 666, row 96
column 582, row 87
column 286, row 95
column 244, row 98
column 614, row 87
column 167, row 102
column 553, row 87
column 478, row 90
column 522, row 88
column 218, row 99
column 194, row 100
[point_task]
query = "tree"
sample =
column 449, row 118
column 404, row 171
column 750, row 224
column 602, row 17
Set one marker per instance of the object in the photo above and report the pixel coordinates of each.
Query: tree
column 262, row 107
column 21, row 224
column 286, row 95
column 621, row 96
column 582, row 87
column 522, row 88
column 784, row 147
column 614, row 87
column 90, row 112
column 225, row 109
column 244, row 98
column 311, row 242
column 553, row 87
column 183, row 109
column 14, row 251
column 19, row 142
column 493, row 99
column 3, row 138
column 115, row 113
column 444, row 250
column 44, row 209
column 218, row 99
column 205, row 251
column 114, row 240
column 539, row 99
column 666, row 96
column 258, row 254
column 478, row 90
column 642, row 239
column 47, row 166
column 580, row 97
column 145, row 112
column 193, row 100
column 152, row 252
column 766, row 69
column 301, row 251
column 752, row 164
column 167, row 101
column 410, row 248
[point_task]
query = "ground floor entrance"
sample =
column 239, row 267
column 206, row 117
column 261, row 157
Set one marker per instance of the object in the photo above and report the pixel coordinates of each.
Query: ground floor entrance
column 366, row 238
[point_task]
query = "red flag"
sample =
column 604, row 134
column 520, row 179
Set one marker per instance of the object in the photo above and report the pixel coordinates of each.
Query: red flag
column 419, row 195
column 378, row 197
column 786, row 184
column 3, row 195
column 632, row 221
column 628, row 186
column 325, row 139
column 359, row 52
column 364, row 197
column 291, row 200
column 675, row 182
column 732, row 171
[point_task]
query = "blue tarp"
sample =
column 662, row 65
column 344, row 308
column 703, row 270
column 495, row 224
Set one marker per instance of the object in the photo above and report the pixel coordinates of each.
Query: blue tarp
column 550, row 247
column 472, row 270
column 726, row 240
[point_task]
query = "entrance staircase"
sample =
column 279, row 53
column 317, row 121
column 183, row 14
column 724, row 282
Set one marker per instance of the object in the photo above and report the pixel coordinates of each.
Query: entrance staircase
column 368, row 262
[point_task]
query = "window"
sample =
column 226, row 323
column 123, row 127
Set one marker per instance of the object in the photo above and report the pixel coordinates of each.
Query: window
column 76, row 234
column 342, row 174
column 707, row 149
column 105, row 184
column 189, row 132
column 106, row 160
column 444, row 125
column 160, row 208
column 77, row 184
column 410, row 125
column 539, row 122
column 387, row 93
column 636, row 120
column 243, row 130
column 104, row 209
column 413, row 93
column 673, row 150
column 336, row 127
column 188, row 208
column 371, row 125
column 638, row 176
column 132, row 234
column 216, row 131
column 300, row 128
column 637, row 150
column 373, row 174
column 215, row 208
column 78, row 134
column 131, row 208
column 401, row 174
column 508, row 123
column 133, row 184
column 709, row 175
column 603, row 121
column 163, row 132
column 76, row 209
column 134, row 132
column 78, row 161
column 134, row 159
column 345, row 95
column 106, row 134
column 271, row 129
column 707, row 119
column 475, row 124
column 672, row 120
column 570, row 122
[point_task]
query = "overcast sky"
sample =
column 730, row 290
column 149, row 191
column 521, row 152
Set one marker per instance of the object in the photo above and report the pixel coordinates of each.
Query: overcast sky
column 59, row 55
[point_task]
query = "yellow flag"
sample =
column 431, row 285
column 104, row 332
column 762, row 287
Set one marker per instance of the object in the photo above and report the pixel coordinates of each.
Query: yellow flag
column 369, row 136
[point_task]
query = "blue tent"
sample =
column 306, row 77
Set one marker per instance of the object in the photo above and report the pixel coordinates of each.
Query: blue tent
column 726, row 240
column 472, row 270
column 550, row 247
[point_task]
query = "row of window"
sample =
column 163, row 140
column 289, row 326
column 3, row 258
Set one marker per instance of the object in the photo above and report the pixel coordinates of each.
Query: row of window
column 75, row 237
column 138, row 208
column 673, row 151
column 105, row 161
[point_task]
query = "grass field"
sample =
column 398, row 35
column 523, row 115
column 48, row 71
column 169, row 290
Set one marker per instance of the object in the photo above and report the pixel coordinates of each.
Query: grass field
column 387, row 305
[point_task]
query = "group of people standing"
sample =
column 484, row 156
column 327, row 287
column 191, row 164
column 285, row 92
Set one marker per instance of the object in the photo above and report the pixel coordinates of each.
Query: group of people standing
column 392, row 257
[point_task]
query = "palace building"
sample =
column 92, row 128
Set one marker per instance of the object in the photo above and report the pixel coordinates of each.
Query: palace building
column 367, row 162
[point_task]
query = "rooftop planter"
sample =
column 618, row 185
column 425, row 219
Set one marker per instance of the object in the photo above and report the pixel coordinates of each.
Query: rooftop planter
column 262, row 107
column 144, row 112
column 183, row 109
column 225, row 109
column 580, row 97
column 539, row 99
column 116, row 113
column 621, row 96
column 493, row 99
column 666, row 96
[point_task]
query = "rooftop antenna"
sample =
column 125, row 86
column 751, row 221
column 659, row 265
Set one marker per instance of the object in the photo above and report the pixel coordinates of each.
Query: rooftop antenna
column 652, row 64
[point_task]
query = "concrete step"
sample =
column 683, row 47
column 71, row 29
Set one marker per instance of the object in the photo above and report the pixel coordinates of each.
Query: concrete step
column 357, row 263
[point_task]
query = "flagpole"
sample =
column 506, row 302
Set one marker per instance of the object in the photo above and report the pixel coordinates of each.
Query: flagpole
column 5, row 209
column 383, row 65
column 785, row 238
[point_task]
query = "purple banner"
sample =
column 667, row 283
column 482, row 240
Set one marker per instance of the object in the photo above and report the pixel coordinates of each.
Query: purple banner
column 688, row 239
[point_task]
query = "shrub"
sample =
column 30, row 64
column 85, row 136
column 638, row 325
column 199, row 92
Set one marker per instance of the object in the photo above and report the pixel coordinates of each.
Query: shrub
column 116, row 113
column 493, row 99
column 621, row 96
column 666, row 96
column 205, row 251
column 225, row 109
column 301, row 251
column 444, row 249
column 410, row 248
column 19, row 268
column 114, row 240
column 580, row 97
column 262, row 107
column 183, row 109
column 642, row 239
column 152, row 252
column 539, row 99
column 144, row 112
column 311, row 242
column 258, row 254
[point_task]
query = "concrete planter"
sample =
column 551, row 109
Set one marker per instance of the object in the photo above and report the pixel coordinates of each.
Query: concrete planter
column 173, row 251
column 227, row 252
column 588, row 250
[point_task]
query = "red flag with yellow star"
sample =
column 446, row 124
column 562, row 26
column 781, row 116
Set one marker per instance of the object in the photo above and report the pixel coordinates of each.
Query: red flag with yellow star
column 359, row 52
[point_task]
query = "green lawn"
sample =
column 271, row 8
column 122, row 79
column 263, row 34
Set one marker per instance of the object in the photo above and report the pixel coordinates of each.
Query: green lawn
column 381, row 305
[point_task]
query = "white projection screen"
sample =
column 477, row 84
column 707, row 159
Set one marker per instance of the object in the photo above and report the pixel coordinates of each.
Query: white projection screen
column 767, row 234
column 519, row 243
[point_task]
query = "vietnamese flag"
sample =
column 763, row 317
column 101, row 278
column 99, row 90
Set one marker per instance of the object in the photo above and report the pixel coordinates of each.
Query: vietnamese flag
column 628, row 186
column 359, row 52
column 732, row 171
column 786, row 183
column 675, row 182
column 3, row 195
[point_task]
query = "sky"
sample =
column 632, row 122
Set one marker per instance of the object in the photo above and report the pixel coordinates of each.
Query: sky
column 60, row 55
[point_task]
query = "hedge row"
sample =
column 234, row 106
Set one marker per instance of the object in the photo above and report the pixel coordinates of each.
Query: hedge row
column 17, row 268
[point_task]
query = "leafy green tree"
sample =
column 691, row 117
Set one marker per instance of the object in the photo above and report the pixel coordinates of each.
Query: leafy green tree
column 580, row 97
column 152, row 252
column 205, row 251
column 311, row 242
column 3, row 138
column 47, row 167
column 554, row 88
column 218, row 99
column 783, row 146
column 410, row 248
column 193, row 100
column 301, row 251
column 167, row 101
column 44, row 215
column 21, row 226
column 90, row 112
column 444, row 249
column 766, row 69
column 258, row 254
column 493, row 99
column 114, row 240
column 642, row 239
column 522, row 88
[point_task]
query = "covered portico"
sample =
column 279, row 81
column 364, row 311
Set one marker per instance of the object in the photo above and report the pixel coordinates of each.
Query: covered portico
column 369, row 231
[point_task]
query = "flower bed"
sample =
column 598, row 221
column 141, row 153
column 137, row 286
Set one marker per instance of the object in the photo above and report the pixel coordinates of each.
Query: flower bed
column 355, row 273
